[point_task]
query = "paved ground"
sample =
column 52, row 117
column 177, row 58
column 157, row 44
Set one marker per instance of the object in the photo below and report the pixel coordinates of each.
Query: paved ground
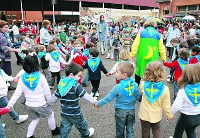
column 101, row 119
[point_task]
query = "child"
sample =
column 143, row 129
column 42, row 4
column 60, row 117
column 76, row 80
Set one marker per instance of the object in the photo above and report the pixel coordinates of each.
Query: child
column 95, row 66
column 187, row 102
column 44, row 65
column 195, row 58
column 37, row 93
column 126, row 94
column 54, row 59
column 155, row 99
column 179, row 66
column 116, row 45
column 69, row 91
column 109, row 46
column 17, row 44
column 3, row 111
column 124, row 56
column 3, row 95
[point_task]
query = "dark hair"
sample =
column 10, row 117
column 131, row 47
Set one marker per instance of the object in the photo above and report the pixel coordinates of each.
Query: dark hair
column 195, row 49
column 1, row 63
column 73, row 68
column 174, row 40
column 51, row 48
column 31, row 64
column 58, row 40
column 183, row 53
column 89, row 45
column 3, row 23
column 183, row 45
column 94, row 52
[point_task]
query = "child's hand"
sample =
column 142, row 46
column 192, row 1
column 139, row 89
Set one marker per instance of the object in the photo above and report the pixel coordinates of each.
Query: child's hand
column 16, row 79
column 96, row 106
column 9, row 108
column 108, row 74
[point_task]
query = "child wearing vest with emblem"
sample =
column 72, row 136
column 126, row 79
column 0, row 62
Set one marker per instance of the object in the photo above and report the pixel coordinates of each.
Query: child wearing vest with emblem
column 155, row 100
column 54, row 59
column 195, row 57
column 126, row 94
column 37, row 93
column 187, row 102
column 179, row 65
column 124, row 56
column 69, row 91
column 95, row 66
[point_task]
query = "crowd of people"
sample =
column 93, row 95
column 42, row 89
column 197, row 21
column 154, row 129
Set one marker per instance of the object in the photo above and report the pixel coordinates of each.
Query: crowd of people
column 74, row 47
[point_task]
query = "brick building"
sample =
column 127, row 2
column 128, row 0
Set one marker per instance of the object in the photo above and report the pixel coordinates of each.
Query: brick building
column 179, row 7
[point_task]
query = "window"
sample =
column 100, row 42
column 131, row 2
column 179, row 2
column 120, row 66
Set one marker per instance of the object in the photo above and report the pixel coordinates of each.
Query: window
column 14, row 17
column 166, row 11
column 182, row 8
column 8, row 17
column 192, row 7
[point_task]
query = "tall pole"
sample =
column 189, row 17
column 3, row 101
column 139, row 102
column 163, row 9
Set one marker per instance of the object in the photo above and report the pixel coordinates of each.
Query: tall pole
column 53, row 15
column 22, row 12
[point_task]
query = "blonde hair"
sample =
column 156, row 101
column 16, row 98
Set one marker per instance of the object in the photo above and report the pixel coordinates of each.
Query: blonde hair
column 124, row 55
column 41, row 48
column 190, row 75
column 151, row 21
column 154, row 72
column 126, row 67
column 45, row 22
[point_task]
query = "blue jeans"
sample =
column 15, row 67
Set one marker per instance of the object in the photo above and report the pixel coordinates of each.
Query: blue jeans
column 2, row 132
column 86, row 78
column 4, row 103
column 102, row 47
column 124, row 118
column 176, row 89
column 78, row 121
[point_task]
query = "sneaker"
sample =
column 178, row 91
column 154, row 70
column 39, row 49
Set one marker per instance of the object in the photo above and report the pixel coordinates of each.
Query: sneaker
column 84, row 84
column 169, row 80
column 169, row 76
column 97, row 94
column 32, row 137
column 51, row 87
column 22, row 118
column 4, row 125
column 91, row 130
column 56, row 131
column 92, row 94
column 10, row 88
column 107, row 57
column 95, row 98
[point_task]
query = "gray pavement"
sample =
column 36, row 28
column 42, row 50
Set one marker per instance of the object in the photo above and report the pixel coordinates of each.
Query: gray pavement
column 101, row 119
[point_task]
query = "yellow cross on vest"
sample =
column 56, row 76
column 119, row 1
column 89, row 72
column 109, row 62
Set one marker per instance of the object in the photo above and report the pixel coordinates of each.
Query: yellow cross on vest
column 55, row 56
column 93, row 64
column 196, row 95
column 62, row 84
column 30, row 79
column 151, row 31
column 152, row 90
column 129, row 88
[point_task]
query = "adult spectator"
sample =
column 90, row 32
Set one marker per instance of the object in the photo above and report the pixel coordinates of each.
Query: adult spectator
column 148, row 46
column 15, row 30
column 44, row 33
column 102, row 28
column 5, row 49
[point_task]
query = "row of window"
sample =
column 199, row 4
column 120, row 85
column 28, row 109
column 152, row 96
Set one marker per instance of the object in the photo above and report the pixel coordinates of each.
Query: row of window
column 188, row 8
column 13, row 17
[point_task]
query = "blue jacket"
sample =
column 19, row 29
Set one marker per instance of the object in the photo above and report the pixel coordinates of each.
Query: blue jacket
column 102, row 31
column 121, row 102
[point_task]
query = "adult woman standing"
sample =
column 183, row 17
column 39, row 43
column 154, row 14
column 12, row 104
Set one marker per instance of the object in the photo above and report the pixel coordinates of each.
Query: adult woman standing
column 5, row 49
column 44, row 33
column 102, row 28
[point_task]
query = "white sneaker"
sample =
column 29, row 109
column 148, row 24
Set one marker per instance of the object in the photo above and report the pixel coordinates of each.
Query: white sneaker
column 169, row 76
column 4, row 125
column 168, row 80
column 51, row 87
column 170, row 137
column 92, row 94
column 97, row 94
column 95, row 98
column 22, row 118
column 91, row 130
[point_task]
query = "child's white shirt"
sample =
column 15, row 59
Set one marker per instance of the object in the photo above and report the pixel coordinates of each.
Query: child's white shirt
column 53, row 65
column 39, row 97
column 184, row 105
column 3, row 85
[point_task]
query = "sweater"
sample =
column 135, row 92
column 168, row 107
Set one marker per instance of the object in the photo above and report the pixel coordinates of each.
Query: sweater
column 177, row 72
column 4, row 110
column 4, row 47
column 39, row 97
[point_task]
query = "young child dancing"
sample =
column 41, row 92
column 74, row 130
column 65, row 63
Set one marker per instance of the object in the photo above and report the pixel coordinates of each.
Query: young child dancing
column 69, row 91
column 95, row 66
column 37, row 94
column 155, row 100
column 179, row 66
column 195, row 57
column 126, row 94
column 54, row 59
column 187, row 102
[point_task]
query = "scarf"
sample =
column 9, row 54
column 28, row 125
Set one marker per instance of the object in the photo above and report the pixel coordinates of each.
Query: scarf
column 193, row 93
column 31, row 80
column 182, row 63
column 153, row 90
column 41, row 54
column 127, row 87
column 55, row 55
column 93, row 63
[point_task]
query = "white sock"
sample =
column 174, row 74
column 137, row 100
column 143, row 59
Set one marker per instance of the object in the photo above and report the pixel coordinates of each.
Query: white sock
column 51, row 121
column 32, row 126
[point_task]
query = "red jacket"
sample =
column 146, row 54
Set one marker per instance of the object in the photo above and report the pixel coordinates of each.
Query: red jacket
column 193, row 60
column 79, row 58
column 178, row 71
column 4, row 110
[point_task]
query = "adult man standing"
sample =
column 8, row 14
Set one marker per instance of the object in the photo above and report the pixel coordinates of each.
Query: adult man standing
column 148, row 45
column 102, row 28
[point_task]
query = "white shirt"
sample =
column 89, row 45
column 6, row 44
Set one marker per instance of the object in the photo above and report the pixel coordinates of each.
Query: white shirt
column 39, row 97
column 44, row 36
column 3, row 85
column 183, row 104
column 192, row 32
column 53, row 65
column 15, row 30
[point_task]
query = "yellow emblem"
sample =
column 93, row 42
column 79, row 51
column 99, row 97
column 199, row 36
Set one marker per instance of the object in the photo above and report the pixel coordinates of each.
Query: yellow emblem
column 129, row 88
column 196, row 95
column 152, row 90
